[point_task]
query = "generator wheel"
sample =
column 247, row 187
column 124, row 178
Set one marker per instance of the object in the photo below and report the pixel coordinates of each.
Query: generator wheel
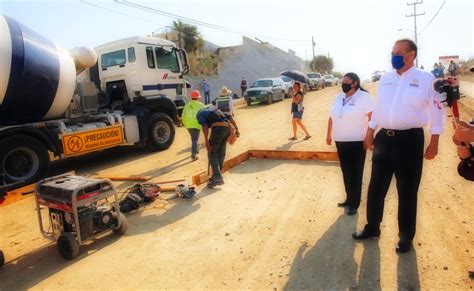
column 68, row 246
column 160, row 132
column 2, row 259
column 123, row 224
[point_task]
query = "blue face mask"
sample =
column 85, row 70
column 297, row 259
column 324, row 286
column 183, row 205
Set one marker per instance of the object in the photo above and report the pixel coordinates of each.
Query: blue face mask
column 397, row 62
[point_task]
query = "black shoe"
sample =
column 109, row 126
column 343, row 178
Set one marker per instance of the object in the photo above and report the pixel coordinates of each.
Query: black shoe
column 403, row 246
column 343, row 204
column 211, row 184
column 351, row 211
column 364, row 234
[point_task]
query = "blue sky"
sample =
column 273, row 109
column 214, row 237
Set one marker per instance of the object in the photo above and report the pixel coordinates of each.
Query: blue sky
column 358, row 34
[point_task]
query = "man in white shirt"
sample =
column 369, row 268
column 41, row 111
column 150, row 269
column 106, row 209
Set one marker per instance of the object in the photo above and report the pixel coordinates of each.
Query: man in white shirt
column 406, row 102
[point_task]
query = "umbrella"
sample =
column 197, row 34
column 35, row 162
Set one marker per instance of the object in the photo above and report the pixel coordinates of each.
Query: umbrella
column 297, row 76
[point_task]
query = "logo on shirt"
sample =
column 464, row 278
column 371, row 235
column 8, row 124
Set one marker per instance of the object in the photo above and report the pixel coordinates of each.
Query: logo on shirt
column 415, row 83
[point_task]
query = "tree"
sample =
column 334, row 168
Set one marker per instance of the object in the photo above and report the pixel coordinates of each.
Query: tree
column 337, row 74
column 188, row 36
column 322, row 64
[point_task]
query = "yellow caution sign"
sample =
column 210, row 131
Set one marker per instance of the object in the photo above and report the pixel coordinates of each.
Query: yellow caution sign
column 77, row 143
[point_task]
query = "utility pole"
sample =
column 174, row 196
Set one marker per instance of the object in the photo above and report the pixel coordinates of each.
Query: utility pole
column 414, row 15
column 313, row 44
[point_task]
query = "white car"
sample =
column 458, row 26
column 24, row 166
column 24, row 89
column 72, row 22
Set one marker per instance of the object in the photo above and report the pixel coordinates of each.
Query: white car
column 289, row 86
column 329, row 80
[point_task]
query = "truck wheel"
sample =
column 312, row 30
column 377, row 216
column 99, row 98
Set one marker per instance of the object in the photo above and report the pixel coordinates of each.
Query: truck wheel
column 160, row 132
column 2, row 259
column 23, row 158
column 270, row 99
column 123, row 224
column 68, row 246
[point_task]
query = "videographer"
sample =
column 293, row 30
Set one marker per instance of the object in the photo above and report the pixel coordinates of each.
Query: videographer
column 463, row 138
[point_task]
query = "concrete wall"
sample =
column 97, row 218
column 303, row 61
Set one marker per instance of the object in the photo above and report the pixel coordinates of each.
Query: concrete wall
column 251, row 60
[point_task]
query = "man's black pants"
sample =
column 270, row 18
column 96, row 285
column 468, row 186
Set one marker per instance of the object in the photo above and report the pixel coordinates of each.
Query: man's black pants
column 218, row 142
column 399, row 153
column 352, row 159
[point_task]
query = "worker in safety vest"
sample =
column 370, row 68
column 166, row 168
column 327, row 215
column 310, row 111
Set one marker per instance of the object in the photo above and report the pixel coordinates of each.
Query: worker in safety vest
column 225, row 103
column 191, row 123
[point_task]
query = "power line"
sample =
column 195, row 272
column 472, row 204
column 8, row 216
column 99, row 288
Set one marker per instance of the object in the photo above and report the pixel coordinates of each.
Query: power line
column 434, row 16
column 123, row 14
column 194, row 21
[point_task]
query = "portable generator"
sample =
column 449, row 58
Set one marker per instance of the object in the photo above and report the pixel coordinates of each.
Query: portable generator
column 79, row 209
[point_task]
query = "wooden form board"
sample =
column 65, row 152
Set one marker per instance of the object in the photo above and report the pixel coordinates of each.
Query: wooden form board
column 202, row 177
column 294, row 155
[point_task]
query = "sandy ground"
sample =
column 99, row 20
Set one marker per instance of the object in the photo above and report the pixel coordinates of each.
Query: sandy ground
column 272, row 225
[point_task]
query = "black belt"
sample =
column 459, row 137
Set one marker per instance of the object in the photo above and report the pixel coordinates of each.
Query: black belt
column 394, row 132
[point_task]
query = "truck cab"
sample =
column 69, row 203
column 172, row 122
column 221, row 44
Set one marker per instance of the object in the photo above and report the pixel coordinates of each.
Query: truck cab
column 138, row 67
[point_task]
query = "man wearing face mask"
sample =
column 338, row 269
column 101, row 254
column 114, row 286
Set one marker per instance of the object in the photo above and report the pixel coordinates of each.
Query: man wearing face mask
column 406, row 102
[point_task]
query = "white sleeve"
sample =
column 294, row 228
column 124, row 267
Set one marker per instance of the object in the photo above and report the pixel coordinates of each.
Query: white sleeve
column 374, row 121
column 368, row 104
column 437, row 116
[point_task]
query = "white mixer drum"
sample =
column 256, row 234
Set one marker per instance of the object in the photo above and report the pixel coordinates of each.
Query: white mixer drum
column 37, row 79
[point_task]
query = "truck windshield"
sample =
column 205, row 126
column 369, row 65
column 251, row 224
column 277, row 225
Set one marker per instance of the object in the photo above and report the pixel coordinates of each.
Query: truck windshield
column 116, row 58
column 167, row 60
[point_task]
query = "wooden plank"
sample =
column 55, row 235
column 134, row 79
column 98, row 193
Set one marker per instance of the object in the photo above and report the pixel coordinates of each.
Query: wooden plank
column 200, row 178
column 169, row 181
column 235, row 161
column 18, row 194
column 167, row 189
column 294, row 155
column 124, row 178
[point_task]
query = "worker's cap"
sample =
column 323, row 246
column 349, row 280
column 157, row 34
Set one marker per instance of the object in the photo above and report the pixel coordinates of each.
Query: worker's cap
column 195, row 94
column 225, row 91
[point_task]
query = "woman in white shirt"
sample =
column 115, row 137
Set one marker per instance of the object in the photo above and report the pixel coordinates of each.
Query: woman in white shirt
column 347, row 124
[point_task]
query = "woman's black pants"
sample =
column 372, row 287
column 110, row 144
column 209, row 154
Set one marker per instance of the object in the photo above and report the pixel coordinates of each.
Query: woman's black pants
column 352, row 159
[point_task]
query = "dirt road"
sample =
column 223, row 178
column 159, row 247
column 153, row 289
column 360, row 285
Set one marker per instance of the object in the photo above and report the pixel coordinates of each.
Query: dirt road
column 272, row 225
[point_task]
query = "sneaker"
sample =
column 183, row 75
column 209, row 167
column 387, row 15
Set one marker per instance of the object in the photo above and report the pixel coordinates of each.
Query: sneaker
column 194, row 158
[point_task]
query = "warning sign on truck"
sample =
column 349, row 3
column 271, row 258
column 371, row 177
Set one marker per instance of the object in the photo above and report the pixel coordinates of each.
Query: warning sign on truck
column 77, row 143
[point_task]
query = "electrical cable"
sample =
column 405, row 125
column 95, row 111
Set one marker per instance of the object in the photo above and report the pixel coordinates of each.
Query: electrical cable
column 434, row 16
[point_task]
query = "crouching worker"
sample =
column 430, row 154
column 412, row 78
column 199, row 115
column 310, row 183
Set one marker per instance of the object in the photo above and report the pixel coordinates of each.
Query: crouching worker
column 221, row 129
column 190, row 121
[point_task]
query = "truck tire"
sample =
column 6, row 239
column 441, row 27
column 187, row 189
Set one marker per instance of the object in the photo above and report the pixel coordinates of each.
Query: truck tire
column 160, row 132
column 68, row 246
column 23, row 158
column 2, row 259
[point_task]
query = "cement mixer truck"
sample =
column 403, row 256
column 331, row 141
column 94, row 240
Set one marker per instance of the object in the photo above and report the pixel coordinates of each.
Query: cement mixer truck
column 56, row 104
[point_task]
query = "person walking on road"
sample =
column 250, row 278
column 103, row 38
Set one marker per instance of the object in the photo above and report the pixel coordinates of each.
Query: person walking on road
column 220, row 127
column 452, row 68
column 406, row 102
column 243, row 86
column 347, row 123
column 297, row 109
column 225, row 103
column 191, row 123
column 206, row 89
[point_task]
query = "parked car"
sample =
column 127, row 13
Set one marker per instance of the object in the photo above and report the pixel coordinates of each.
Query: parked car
column 336, row 81
column 377, row 75
column 266, row 90
column 289, row 85
column 329, row 80
column 317, row 79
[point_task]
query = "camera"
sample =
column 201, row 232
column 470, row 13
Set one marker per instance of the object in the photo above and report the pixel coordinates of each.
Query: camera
column 448, row 89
